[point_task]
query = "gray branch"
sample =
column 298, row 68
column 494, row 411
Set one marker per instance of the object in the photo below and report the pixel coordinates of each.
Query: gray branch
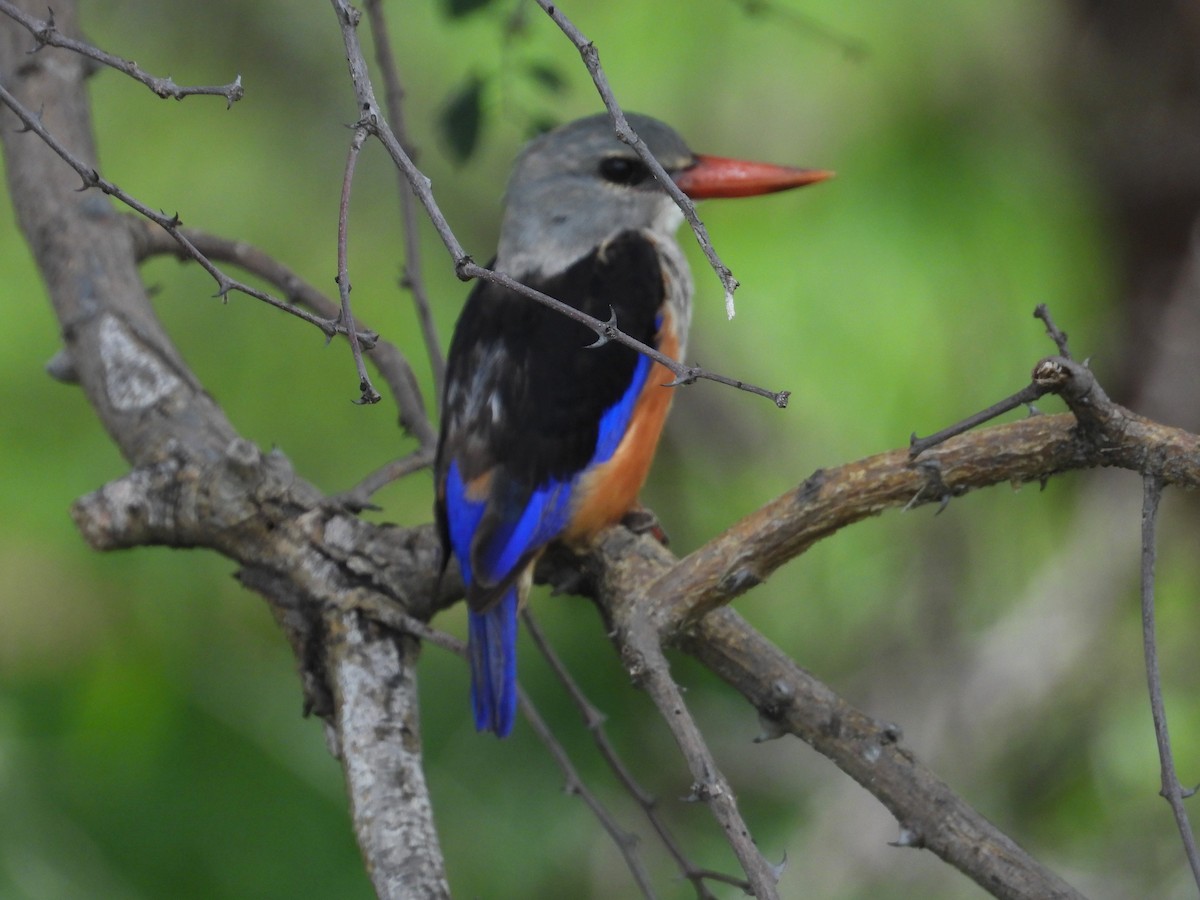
column 196, row 483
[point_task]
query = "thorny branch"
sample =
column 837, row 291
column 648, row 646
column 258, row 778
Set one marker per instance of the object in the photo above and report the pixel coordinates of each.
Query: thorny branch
column 394, row 97
column 1039, row 387
column 150, row 240
column 626, row 842
column 367, row 392
column 591, row 59
column 642, row 651
column 47, row 35
column 372, row 118
column 853, row 48
column 171, row 224
column 1172, row 791
column 593, row 720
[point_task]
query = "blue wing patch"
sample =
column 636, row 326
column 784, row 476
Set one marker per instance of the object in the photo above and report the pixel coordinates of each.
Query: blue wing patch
column 615, row 421
column 520, row 530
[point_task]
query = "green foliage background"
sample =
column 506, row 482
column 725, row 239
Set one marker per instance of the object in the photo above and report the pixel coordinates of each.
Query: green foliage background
column 151, row 743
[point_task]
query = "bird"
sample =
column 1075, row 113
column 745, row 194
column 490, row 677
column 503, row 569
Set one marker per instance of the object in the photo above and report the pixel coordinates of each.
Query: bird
column 548, row 432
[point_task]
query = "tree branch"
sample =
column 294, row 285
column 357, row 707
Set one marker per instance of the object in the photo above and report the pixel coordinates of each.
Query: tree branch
column 930, row 815
column 47, row 34
column 149, row 240
column 371, row 118
column 171, row 224
column 642, row 653
column 197, row 483
column 1171, row 789
column 373, row 675
column 593, row 720
column 618, row 572
column 367, row 392
column 830, row 499
column 591, row 59
column 394, row 97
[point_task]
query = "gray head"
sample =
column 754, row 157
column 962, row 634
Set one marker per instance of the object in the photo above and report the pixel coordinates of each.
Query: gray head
column 575, row 187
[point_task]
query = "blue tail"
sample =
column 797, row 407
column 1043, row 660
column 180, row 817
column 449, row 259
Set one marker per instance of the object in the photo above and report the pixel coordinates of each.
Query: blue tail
column 493, row 645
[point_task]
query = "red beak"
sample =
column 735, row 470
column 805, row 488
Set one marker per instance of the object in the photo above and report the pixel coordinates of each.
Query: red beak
column 716, row 176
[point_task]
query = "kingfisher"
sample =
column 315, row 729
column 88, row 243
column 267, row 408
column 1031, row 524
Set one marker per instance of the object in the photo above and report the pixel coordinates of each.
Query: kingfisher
column 547, row 433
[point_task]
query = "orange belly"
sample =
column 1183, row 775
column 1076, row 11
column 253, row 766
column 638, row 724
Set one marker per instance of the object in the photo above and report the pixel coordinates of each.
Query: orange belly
column 611, row 489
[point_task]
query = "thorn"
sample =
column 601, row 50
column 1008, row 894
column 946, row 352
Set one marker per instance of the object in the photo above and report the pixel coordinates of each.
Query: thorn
column 603, row 337
column 932, row 470
column 772, row 729
column 688, row 377
column 61, row 367
column 26, row 127
column 236, row 92
column 739, row 581
column 908, row 838
column 778, row 870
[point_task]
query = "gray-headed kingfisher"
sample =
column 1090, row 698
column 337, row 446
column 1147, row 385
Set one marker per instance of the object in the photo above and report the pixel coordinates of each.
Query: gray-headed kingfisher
column 544, row 437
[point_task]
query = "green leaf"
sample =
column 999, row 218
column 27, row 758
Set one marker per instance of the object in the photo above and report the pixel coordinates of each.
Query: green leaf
column 548, row 77
column 458, row 8
column 461, row 119
column 540, row 125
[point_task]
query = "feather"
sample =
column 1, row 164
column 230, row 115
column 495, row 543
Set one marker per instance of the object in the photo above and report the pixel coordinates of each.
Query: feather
column 493, row 644
column 529, row 411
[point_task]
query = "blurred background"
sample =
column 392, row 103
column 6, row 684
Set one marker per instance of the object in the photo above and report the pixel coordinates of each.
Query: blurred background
column 990, row 157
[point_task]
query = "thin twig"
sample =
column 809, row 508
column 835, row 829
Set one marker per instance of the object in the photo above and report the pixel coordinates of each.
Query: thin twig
column 1059, row 337
column 384, row 355
column 593, row 720
column 171, row 224
column 358, row 497
column 625, row 841
column 47, row 34
column 1027, row 394
column 393, row 94
column 367, row 392
column 1172, row 791
column 684, row 374
column 641, row 648
column 464, row 266
column 591, row 59
column 1038, row 387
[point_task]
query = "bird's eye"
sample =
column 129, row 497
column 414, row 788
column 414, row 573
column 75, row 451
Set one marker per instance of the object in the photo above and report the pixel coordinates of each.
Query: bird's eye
column 622, row 170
